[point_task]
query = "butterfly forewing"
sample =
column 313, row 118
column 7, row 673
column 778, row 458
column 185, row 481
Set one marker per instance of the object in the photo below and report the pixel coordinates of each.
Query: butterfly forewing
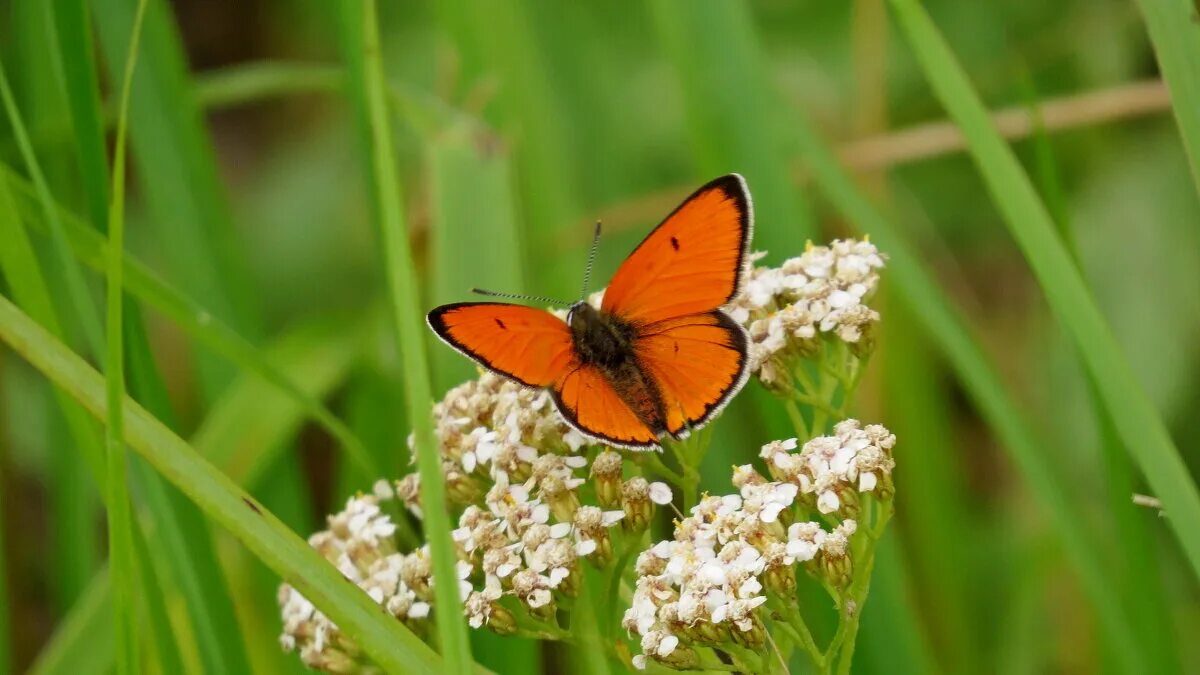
column 529, row 345
column 691, row 263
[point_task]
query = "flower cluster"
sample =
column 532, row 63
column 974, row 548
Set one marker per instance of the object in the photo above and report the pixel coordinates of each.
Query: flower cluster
column 491, row 427
column 830, row 471
column 360, row 542
column 787, row 308
column 735, row 552
column 511, row 463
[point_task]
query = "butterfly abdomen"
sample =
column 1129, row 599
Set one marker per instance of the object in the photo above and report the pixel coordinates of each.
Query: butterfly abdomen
column 605, row 341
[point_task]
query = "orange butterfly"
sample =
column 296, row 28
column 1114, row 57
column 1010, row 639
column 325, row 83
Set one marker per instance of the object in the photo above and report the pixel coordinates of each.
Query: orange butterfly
column 659, row 357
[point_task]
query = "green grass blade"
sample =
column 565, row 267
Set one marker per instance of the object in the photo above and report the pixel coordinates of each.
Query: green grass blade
column 946, row 327
column 81, row 299
column 122, row 560
column 82, row 644
column 75, row 44
column 1141, row 584
column 369, row 88
column 74, row 516
column 732, row 112
column 178, row 175
column 149, row 609
column 386, row 640
column 1175, row 34
column 475, row 240
column 246, row 429
column 1137, row 422
column 198, row 322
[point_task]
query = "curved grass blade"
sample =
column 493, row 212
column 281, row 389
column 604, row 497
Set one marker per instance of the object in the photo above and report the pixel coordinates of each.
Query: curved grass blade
column 368, row 89
column 1137, row 422
column 246, row 429
column 1174, row 28
column 945, row 326
column 386, row 640
column 81, row 299
column 144, row 284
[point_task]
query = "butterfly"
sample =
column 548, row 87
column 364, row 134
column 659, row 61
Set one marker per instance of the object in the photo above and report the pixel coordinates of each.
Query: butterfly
column 659, row 357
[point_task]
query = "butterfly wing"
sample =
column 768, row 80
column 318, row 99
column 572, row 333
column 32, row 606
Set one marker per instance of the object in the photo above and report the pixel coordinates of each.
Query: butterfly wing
column 692, row 262
column 529, row 345
column 698, row 363
column 591, row 405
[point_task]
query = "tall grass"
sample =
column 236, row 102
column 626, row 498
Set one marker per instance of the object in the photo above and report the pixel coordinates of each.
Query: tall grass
column 1138, row 423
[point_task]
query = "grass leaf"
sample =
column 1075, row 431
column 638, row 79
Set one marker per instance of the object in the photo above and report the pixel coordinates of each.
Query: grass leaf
column 198, row 322
column 386, row 640
column 369, row 89
column 1137, row 422
column 1175, row 33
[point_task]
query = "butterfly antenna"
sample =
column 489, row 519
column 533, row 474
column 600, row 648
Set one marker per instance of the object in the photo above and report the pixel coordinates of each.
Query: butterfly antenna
column 587, row 272
column 522, row 296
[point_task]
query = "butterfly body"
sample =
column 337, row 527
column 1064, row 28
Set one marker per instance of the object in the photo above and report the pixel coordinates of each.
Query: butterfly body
column 607, row 343
column 658, row 357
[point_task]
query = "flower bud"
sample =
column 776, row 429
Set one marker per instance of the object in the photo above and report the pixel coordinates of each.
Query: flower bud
column 635, row 500
column 606, row 474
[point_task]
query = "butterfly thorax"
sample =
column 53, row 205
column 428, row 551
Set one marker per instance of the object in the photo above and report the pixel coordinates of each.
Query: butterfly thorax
column 606, row 341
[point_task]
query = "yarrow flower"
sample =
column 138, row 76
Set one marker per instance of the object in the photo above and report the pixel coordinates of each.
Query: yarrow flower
column 704, row 587
column 510, row 462
column 830, row 470
column 786, row 309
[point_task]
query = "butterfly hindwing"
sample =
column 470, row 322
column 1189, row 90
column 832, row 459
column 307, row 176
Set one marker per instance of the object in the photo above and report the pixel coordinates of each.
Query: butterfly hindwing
column 692, row 262
column 528, row 345
column 697, row 362
column 589, row 402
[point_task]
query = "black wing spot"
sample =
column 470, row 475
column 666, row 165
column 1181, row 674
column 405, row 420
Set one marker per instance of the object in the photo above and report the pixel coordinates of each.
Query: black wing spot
column 252, row 505
column 501, row 324
column 677, row 347
column 674, row 243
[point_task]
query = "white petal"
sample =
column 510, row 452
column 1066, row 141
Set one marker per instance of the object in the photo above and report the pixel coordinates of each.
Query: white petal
column 828, row 502
column 611, row 518
column 585, row 547
column 866, row 481
column 560, row 530
column 667, row 645
column 419, row 610
column 659, row 493
column 639, row 662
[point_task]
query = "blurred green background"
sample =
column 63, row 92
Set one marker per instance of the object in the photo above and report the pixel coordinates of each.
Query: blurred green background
column 517, row 125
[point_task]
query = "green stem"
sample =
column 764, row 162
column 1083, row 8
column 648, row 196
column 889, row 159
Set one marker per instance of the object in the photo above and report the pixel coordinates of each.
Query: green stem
column 798, row 423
